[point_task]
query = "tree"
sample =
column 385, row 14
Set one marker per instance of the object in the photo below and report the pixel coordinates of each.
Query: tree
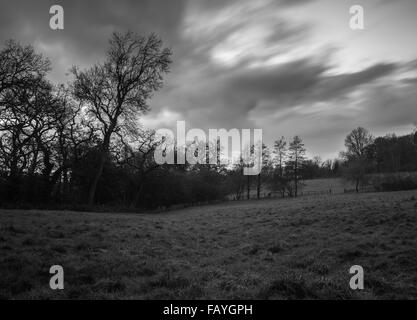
column 356, row 171
column 280, row 150
column 24, row 102
column 138, row 155
column 20, row 67
column 265, row 171
column 296, row 157
column 311, row 169
column 278, row 182
column 236, row 179
column 115, row 93
column 357, row 144
column 40, row 127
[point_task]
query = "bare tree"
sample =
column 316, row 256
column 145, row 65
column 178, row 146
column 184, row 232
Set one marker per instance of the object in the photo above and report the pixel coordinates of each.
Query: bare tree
column 24, row 99
column 116, row 92
column 357, row 144
column 138, row 155
column 356, row 171
column 20, row 67
column 357, row 141
column 39, row 124
column 237, row 179
column 296, row 157
column 278, row 181
column 265, row 171
column 280, row 150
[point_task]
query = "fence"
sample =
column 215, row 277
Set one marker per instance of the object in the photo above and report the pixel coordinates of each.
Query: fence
column 316, row 193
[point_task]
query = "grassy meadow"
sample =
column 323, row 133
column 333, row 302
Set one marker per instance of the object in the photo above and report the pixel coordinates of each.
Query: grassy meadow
column 269, row 249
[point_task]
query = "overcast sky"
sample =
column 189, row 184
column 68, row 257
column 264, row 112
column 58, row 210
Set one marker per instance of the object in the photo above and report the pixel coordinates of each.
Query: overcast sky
column 286, row 66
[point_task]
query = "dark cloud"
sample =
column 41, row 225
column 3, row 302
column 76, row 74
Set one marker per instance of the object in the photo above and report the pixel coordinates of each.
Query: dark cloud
column 85, row 20
column 284, row 86
column 226, row 98
column 291, row 78
column 88, row 25
column 388, row 106
column 409, row 80
column 335, row 86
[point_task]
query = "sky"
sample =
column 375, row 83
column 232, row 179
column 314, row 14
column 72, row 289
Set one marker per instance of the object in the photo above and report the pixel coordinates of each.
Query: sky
column 289, row 67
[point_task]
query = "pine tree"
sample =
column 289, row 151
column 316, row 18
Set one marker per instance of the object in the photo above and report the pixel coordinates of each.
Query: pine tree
column 296, row 157
column 280, row 150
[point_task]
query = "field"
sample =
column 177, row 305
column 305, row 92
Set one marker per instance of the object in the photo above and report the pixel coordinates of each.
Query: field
column 308, row 187
column 269, row 249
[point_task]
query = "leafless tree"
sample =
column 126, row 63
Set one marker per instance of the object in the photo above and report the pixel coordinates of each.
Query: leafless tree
column 20, row 66
column 24, row 98
column 138, row 155
column 115, row 93
column 357, row 143
column 280, row 150
column 296, row 157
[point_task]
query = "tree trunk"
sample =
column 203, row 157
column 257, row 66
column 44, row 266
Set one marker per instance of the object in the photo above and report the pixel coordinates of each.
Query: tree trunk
column 103, row 156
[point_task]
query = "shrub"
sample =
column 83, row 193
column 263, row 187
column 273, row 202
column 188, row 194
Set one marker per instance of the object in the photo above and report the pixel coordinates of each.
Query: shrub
column 396, row 182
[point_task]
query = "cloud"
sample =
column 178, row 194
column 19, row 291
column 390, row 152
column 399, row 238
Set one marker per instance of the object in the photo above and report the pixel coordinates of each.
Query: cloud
column 88, row 26
column 242, row 63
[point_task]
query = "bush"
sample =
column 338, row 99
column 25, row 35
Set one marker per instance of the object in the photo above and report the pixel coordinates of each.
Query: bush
column 396, row 182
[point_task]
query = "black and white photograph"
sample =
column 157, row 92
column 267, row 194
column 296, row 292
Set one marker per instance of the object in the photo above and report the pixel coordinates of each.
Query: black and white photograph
column 203, row 150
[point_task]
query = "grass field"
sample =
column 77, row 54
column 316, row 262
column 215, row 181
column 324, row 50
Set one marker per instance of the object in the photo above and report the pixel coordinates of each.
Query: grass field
column 308, row 187
column 336, row 185
column 269, row 249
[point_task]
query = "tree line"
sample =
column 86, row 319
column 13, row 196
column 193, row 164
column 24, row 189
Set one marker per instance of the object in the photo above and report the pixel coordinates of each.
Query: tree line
column 366, row 156
column 80, row 145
